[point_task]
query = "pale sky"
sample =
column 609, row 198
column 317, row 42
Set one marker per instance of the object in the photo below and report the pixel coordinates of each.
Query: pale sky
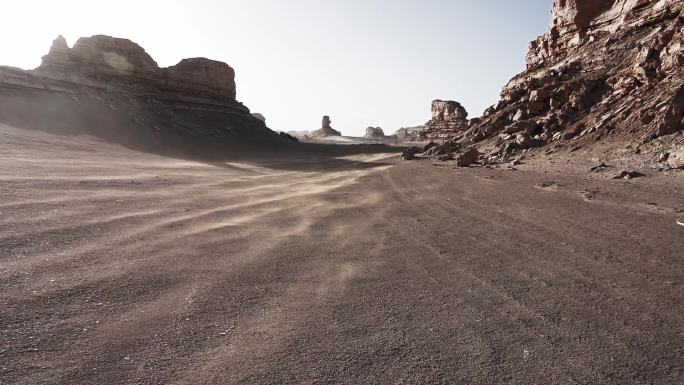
column 363, row 62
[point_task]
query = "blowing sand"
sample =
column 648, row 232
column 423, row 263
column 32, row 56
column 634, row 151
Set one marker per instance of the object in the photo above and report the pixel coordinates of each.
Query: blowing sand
column 121, row 267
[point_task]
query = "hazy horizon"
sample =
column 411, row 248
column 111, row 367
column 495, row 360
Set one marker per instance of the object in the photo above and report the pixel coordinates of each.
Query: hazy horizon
column 364, row 63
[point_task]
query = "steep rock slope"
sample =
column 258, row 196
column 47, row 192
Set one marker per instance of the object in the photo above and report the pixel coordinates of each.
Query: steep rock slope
column 607, row 70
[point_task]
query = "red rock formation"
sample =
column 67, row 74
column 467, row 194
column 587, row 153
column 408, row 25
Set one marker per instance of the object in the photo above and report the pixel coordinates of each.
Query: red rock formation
column 576, row 22
column 605, row 70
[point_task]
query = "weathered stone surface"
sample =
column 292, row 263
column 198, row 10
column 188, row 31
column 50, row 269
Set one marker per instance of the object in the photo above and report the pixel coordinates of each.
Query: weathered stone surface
column 410, row 153
column 576, row 22
column 448, row 117
column 445, row 148
column 469, row 157
column 676, row 158
column 448, row 111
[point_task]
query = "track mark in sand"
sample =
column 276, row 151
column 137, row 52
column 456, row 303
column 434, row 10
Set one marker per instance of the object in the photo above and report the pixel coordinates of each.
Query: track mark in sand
column 488, row 179
column 549, row 186
column 656, row 208
column 271, row 324
column 587, row 195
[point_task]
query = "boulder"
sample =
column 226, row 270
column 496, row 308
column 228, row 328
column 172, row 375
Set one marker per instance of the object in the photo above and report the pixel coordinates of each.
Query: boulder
column 676, row 158
column 469, row 157
column 539, row 96
column 428, row 146
column 528, row 126
column 410, row 153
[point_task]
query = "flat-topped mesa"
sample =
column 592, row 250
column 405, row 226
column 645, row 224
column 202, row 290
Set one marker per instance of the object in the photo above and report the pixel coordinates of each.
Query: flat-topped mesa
column 104, row 56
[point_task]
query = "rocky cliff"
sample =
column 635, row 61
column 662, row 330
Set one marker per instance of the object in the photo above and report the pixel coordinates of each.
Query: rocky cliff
column 607, row 70
column 116, row 79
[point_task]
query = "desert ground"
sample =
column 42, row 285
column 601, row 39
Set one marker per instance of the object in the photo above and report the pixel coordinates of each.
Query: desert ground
column 124, row 267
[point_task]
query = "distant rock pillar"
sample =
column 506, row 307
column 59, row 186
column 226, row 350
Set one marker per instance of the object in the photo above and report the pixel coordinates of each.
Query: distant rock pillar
column 326, row 122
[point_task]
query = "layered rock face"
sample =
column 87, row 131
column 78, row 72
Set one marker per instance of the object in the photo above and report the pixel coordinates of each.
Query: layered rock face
column 607, row 70
column 448, row 117
column 105, row 56
column 195, row 97
column 326, row 130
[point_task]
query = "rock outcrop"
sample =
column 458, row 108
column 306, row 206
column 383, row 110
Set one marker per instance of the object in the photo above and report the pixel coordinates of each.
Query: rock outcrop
column 326, row 130
column 374, row 133
column 196, row 97
column 448, row 117
column 411, row 134
column 605, row 70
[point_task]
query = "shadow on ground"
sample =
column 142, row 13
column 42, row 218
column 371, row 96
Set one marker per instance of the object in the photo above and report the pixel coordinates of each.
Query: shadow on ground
column 173, row 134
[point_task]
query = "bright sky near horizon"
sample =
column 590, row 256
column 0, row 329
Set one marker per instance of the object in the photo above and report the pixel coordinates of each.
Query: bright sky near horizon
column 363, row 62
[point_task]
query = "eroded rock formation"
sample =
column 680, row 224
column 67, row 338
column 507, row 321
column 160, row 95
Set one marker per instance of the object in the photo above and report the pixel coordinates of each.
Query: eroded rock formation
column 374, row 133
column 448, row 117
column 196, row 97
column 605, row 70
column 326, row 130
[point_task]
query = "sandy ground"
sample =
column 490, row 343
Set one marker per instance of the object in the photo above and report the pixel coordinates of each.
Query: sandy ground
column 119, row 267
